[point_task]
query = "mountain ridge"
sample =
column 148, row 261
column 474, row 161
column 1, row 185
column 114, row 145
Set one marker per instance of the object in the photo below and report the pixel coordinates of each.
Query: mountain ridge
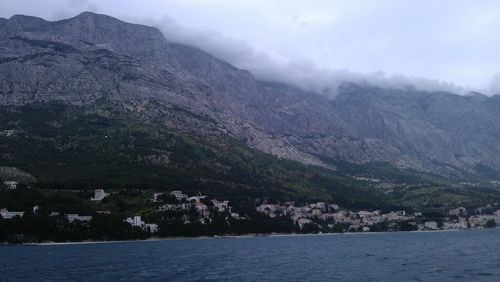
column 88, row 57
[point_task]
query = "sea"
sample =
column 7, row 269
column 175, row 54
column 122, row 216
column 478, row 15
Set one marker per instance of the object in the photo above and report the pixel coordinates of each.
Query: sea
column 469, row 255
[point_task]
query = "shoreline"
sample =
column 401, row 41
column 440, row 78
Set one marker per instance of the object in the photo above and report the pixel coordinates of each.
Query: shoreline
column 242, row 236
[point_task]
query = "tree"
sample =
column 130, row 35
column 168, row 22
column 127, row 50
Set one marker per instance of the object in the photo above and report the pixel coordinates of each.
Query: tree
column 491, row 223
column 168, row 199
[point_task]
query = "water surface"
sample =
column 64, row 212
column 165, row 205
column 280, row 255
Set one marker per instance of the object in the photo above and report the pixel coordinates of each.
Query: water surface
column 402, row 256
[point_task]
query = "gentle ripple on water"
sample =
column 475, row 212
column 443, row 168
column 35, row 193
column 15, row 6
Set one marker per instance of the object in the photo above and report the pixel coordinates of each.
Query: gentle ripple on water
column 430, row 256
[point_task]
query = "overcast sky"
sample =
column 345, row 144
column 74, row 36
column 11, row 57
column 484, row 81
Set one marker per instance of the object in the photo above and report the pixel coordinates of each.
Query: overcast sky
column 434, row 44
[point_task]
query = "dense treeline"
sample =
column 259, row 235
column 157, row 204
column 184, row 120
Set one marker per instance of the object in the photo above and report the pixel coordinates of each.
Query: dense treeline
column 42, row 228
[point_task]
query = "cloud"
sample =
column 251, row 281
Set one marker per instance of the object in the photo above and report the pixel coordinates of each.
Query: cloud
column 70, row 8
column 495, row 84
column 266, row 66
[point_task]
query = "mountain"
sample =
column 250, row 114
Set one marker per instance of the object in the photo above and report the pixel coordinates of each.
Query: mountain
column 92, row 56
column 95, row 68
column 449, row 133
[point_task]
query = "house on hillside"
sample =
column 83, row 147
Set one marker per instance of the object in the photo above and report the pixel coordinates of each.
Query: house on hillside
column 135, row 221
column 10, row 214
column 76, row 217
column 221, row 206
column 178, row 195
column 197, row 198
column 99, row 195
column 156, row 196
column 150, row 227
column 11, row 185
column 431, row 225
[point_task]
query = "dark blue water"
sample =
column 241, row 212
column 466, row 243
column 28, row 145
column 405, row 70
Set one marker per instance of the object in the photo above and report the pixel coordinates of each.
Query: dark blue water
column 437, row 256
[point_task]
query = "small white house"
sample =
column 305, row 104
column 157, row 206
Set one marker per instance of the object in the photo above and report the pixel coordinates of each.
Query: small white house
column 221, row 206
column 168, row 207
column 150, row 227
column 10, row 214
column 236, row 215
column 178, row 195
column 431, row 225
column 334, row 207
column 76, row 217
column 99, row 195
column 135, row 221
column 321, row 205
column 156, row 196
column 10, row 184
column 303, row 221
column 196, row 198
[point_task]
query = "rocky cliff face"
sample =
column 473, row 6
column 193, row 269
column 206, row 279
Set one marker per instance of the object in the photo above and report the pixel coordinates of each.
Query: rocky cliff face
column 447, row 132
column 93, row 58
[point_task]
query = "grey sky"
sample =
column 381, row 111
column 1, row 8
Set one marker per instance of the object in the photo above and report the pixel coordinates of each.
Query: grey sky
column 316, row 43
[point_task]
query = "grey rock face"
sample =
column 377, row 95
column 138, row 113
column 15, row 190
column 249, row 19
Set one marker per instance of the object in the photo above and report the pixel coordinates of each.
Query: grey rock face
column 444, row 131
column 91, row 57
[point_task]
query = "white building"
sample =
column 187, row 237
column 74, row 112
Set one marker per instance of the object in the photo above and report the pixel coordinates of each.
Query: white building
column 196, row 198
column 236, row 215
column 303, row 221
column 10, row 184
column 334, row 207
column 221, row 206
column 363, row 214
column 10, row 214
column 99, row 195
column 431, row 225
column 316, row 212
column 150, row 227
column 266, row 208
column 135, row 221
column 178, row 195
column 321, row 205
column 155, row 197
column 168, row 207
column 202, row 209
column 76, row 217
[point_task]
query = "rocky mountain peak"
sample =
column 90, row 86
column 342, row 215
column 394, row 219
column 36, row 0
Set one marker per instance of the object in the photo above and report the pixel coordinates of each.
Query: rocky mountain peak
column 104, row 32
column 91, row 56
column 22, row 23
column 107, row 31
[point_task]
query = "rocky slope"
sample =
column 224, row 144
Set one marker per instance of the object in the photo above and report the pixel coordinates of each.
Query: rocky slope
column 93, row 58
column 446, row 132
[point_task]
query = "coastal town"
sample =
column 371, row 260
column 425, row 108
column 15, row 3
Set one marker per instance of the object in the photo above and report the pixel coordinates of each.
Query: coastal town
column 321, row 214
column 197, row 209
column 319, row 217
